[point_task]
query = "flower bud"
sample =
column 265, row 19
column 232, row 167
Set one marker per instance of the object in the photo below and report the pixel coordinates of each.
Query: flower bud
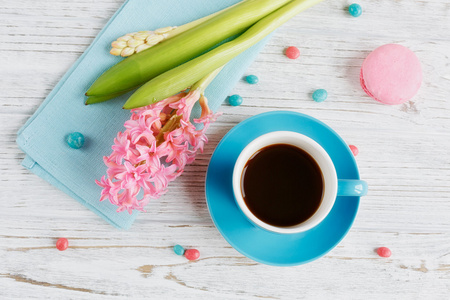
column 134, row 43
column 127, row 51
column 164, row 30
column 140, row 36
column 119, row 44
column 115, row 51
column 124, row 38
column 154, row 39
column 142, row 47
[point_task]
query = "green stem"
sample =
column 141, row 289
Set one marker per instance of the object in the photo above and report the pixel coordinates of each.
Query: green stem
column 203, row 83
column 192, row 24
column 179, row 78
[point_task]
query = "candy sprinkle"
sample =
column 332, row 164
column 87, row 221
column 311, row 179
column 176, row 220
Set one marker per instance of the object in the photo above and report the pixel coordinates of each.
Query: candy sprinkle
column 235, row 100
column 384, row 252
column 252, row 79
column 179, row 250
column 320, row 95
column 192, row 254
column 355, row 10
column 75, row 140
column 292, row 52
column 62, row 244
column 354, row 149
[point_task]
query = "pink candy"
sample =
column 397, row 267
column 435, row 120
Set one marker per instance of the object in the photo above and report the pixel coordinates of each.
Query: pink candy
column 292, row 52
column 192, row 254
column 354, row 149
column 384, row 252
column 62, row 244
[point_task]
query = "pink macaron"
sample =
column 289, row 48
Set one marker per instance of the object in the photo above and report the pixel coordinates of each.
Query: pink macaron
column 391, row 74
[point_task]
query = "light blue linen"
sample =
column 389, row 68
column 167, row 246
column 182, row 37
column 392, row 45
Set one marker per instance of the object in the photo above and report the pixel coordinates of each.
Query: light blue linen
column 42, row 138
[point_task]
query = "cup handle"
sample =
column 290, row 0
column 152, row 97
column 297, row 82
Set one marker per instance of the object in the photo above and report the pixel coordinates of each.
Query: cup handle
column 350, row 187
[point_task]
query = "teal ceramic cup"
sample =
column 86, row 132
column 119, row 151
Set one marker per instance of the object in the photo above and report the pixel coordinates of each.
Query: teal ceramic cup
column 332, row 186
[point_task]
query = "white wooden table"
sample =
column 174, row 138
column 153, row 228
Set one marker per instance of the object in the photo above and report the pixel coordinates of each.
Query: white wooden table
column 404, row 156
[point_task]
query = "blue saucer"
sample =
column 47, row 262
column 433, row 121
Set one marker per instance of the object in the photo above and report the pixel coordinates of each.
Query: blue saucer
column 256, row 243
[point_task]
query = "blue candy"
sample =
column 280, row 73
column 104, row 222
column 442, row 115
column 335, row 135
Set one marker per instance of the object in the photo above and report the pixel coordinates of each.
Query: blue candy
column 75, row 140
column 179, row 250
column 252, row 79
column 355, row 10
column 235, row 100
column 320, row 95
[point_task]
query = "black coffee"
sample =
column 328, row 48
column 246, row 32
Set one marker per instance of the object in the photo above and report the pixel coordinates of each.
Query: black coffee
column 282, row 185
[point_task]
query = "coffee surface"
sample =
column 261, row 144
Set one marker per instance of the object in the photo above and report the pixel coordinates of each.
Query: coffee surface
column 282, row 185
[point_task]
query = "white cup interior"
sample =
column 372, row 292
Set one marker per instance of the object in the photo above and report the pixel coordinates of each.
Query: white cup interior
column 312, row 148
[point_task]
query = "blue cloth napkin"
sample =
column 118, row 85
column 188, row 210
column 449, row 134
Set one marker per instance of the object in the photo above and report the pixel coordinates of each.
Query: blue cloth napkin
column 42, row 138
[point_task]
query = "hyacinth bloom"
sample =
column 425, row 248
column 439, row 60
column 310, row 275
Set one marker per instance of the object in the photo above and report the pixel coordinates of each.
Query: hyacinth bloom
column 158, row 141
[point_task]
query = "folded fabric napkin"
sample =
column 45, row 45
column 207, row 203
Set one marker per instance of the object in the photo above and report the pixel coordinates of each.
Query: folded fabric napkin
column 42, row 138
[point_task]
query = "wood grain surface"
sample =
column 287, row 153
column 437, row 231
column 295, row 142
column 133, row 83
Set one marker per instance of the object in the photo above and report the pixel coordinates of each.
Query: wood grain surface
column 404, row 156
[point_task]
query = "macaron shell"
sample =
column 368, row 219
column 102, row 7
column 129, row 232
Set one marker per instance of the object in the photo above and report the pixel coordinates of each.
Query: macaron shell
column 391, row 74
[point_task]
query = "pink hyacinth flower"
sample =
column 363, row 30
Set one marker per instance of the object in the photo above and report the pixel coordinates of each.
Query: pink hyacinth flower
column 158, row 142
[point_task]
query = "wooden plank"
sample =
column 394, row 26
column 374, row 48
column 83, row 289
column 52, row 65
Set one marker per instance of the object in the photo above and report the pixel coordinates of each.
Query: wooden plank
column 404, row 155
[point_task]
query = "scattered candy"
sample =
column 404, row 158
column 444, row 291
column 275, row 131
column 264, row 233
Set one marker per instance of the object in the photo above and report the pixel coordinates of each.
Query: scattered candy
column 320, row 95
column 384, row 252
column 75, row 140
column 179, row 250
column 235, row 100
column 355, row 10
column 354, row 149
column 62, row 244
column 292, row 52
column 192, row 254
column 252, row 79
